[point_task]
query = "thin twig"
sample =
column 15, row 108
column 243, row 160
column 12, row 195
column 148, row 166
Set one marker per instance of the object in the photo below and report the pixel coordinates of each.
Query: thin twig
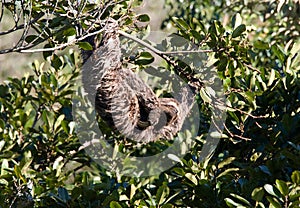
column 235, row 135
column 246, row 113
column 141, row 42
column 155, row 50
column 253, row 68
column 62, row 45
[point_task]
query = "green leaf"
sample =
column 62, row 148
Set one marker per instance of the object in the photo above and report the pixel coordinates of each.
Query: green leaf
column 196, row 35
column 243, row 200
column 234, row 116
column 238, row 31
column 143, row 18
column 76, row 192
column 47, row 54
column 204, row 95
column 4, row 167
column 296, row 177
column 222, row 64
column 144, row 58
column 175, row 158
column 114, row 204
column 280, row 4
column 272, row 77
column 199, row 24
column 228, row 170
column 167, row 206
column 278, row 52
column 236, row 20
column 85, row 46
column 33, row 39
column 151, row 198
column 56, row 63
column 26, row 166
column 162, row 193
column 179, row 171
column 18, row 173
column 261, row 45
column 257, row 194
column 69, row 32
column 114, row 196
column 58, row 121
column 217, row 28
column 274, row 202
column 296, row 48
column 270, row 189
column 192, row 178
column 2, row 142
column 4, row 182
column 232, row 203
column 48, row 119
column 282, row 187
column 181, row 23
column 225, row 162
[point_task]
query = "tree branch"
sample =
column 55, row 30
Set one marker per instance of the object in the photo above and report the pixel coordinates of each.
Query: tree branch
column 62, row 45
column 155, row 50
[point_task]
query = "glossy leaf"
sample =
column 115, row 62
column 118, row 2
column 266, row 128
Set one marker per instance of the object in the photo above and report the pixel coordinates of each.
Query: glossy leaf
column 238, row 31
column 143, row 18
column 275, row 203
column 144, row 58
column 241, row 199
column 271, row 190
column 192, row 178
column 114, row 204
column 282, row 187
column 181, row 23
column 162, row 193
column 296, row 177
column 236, row 20
column 257, row 194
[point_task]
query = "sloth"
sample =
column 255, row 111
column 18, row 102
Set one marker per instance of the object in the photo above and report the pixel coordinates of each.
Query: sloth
column 123, row 100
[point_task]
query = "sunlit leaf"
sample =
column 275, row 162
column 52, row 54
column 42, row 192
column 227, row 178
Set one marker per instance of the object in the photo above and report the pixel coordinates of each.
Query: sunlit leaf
column 296, row 177
column 271, row 190
column 241, row 199
column 192, row 178
column 282, row 187
column 232, row 203
column 162, row 193
column 275, row 203
column 236, row 20
column 181, row 23
column 114, row 204
column 225, row 162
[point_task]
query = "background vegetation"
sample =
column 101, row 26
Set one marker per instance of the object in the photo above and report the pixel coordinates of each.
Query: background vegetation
column 255, row 46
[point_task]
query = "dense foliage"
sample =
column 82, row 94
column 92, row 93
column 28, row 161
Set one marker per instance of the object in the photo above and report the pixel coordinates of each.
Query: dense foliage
column 255, row 48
